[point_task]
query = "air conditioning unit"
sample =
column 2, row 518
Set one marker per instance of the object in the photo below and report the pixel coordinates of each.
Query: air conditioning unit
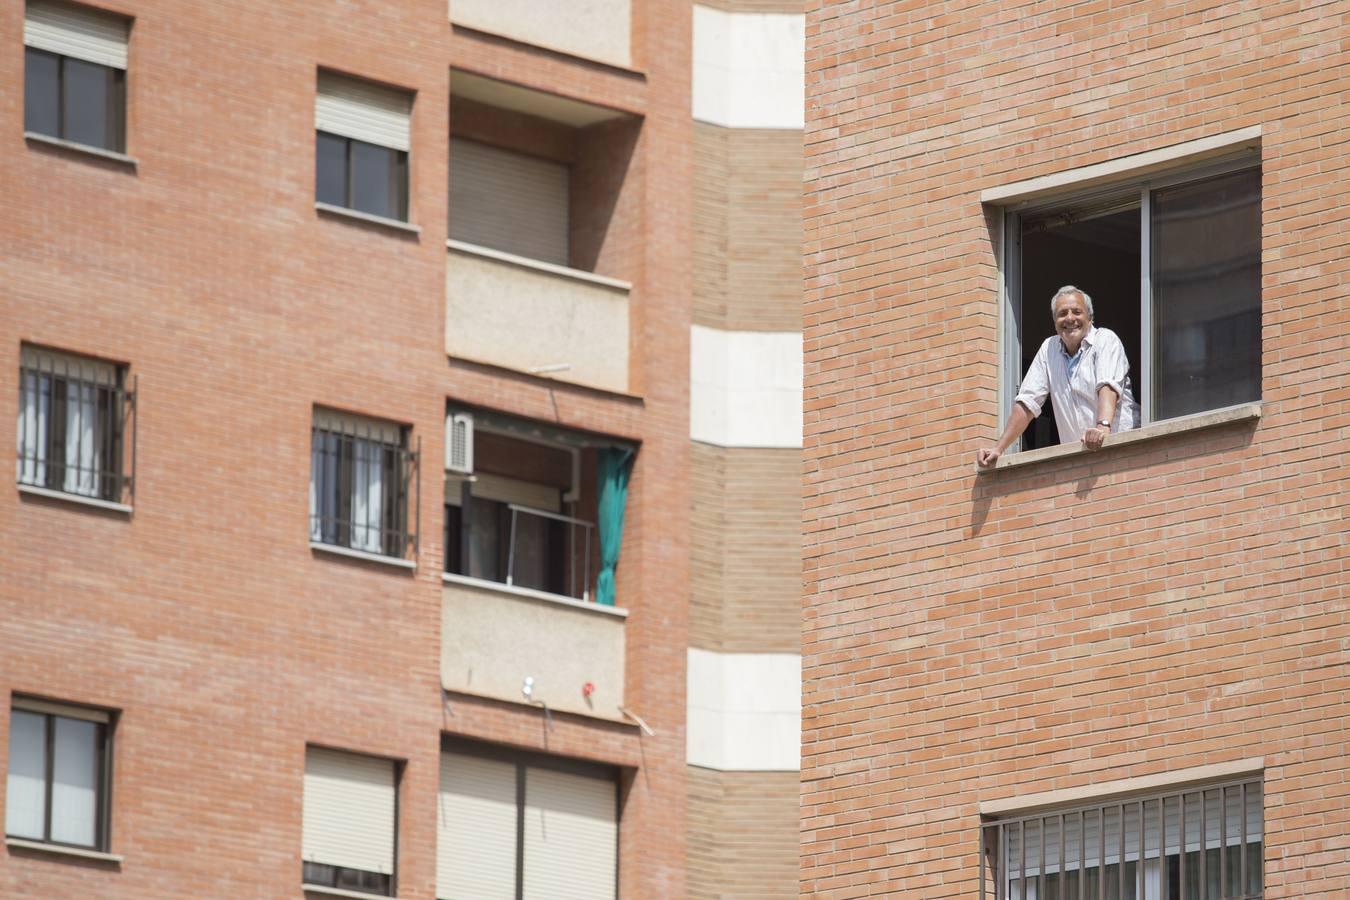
column 459, row 443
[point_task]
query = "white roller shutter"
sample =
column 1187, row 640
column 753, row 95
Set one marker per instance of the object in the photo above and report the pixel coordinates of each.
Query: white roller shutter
column 349, row 811
column 476, row 831
column 88, row 34
column 508, row 201
column 571, row 836
column 367, row 112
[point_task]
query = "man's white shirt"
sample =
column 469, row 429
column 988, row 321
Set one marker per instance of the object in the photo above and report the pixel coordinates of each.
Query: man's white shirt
column 1072, row 382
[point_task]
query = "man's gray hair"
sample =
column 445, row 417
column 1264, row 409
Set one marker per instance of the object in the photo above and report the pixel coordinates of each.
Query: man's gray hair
column 1070, row 289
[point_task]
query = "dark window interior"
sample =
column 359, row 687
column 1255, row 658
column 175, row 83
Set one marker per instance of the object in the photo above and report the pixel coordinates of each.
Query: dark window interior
column 1096, row 251
column 361, row 176
column 347, row 879
column 74, row 100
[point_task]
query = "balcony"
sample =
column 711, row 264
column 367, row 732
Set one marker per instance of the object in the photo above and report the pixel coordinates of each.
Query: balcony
column 495, row 636
column 600, row 30
column 536, row 317
column 533, row 532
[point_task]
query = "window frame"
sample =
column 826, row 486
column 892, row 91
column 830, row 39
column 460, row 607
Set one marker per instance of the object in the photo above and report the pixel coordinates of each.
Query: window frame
column 406, row 466
column 105, row 721
column 993, row 829
column 1010, row 214
column 524, row 760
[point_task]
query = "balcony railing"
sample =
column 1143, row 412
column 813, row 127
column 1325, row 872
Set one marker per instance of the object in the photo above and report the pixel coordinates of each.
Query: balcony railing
column 574, row 579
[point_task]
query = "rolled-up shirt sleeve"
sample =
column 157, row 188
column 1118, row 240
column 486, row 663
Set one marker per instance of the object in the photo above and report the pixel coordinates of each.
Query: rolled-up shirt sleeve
column 1036, row 385
column 1112, row 365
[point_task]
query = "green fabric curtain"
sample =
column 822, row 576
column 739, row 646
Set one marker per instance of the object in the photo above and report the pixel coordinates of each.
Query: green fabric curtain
column 615, row 466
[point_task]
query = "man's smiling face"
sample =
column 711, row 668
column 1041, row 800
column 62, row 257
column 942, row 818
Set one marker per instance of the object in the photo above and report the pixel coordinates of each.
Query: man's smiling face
column 1072, row 320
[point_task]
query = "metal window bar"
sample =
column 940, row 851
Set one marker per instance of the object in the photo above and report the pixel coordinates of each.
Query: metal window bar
column 76, row 428
column 360, row 482
column 1135, row 858
column 577, row 590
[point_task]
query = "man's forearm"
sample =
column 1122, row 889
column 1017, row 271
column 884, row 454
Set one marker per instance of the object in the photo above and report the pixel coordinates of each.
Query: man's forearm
column 1106, row 404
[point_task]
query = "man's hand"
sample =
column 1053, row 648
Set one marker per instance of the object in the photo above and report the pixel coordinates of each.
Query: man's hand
column 987, row 456
column 1093, row 437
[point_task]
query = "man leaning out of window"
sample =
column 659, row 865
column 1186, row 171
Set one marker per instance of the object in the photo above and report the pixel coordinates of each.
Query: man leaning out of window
column 1083, row 370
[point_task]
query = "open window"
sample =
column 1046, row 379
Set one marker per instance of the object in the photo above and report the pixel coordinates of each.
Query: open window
column 1173, row 265
column 533, row 506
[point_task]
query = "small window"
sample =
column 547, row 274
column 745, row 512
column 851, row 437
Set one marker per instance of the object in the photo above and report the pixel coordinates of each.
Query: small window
column 518, row 824
column 1173, row 265
column 350, row 821
column 524, row 509
column 75, row 426
column 1204, row 842
column 363, row 137
column 361, row 478
column 75, row 61
column 59, row 772
column 509, row 201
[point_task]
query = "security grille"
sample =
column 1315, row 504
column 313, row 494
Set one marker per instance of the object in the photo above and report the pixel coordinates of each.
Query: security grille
column 76, row 427
column 362, row 479
column 1198, row 844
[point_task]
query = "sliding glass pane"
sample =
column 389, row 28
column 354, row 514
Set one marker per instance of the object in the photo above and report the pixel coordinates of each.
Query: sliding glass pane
column 41, row 92
column 1206, row 270
column 26, row 787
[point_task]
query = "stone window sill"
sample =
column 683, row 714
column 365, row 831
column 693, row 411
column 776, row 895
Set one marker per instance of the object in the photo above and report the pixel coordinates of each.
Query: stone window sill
column 74, row 146
column 343, row 212
column 1246, row 412
column 78, row 499
column 348, row 552
column 58, row 850
column 337, row 892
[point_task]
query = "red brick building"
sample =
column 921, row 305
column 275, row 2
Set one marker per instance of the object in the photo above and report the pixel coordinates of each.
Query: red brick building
column 1119, row 673
column 371, row 531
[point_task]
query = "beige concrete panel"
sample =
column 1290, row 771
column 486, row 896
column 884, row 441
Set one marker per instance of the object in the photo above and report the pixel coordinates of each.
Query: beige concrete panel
column 745, row 550
column 535, row 317
column 594, row 29
column 494, row 637
column 756, row 6
column 748, row 228
column 742, row 834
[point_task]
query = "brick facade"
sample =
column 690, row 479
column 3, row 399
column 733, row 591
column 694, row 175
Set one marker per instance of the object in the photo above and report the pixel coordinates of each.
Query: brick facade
column 1175, row 602
column 203, row 617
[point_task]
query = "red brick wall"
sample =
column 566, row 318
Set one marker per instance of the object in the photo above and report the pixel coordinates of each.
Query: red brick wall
column 1178, row 602
column 204, row 616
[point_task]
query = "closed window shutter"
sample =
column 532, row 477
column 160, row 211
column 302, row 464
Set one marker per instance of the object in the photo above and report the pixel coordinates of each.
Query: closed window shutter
column 349, row 811
column 521, row 493
column 87, row 34
column 571, row 836
column 367, row 112
column 508, row 201
column 476, row 829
